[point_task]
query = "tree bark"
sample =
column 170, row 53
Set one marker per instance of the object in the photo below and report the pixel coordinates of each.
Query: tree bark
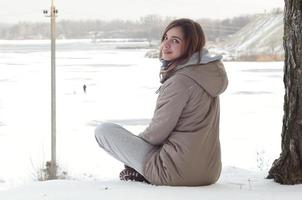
column 287, row 169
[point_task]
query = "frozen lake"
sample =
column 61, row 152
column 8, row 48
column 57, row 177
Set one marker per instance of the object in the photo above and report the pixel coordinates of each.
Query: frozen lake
column 121, row 87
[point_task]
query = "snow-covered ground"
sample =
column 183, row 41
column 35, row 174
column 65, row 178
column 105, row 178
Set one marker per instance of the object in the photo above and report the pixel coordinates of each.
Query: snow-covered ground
column 263, row 35
column 121, row 87
column 234, row 184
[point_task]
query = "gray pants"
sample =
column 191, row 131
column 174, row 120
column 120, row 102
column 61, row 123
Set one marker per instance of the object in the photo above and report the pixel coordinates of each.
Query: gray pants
column 123, row 145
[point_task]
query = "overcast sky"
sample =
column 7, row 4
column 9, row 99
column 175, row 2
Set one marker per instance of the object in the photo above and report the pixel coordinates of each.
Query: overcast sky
column 12, row 11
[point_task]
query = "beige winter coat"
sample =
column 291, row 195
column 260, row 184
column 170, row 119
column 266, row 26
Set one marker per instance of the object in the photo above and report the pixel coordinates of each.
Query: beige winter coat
column 185, row 125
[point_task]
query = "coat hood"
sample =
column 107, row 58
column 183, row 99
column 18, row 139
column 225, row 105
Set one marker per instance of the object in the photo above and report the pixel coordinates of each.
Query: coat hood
column 207, row 71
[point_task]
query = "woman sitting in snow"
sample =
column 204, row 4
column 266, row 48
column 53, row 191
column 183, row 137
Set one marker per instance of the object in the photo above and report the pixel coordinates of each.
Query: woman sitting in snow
column 181, row 144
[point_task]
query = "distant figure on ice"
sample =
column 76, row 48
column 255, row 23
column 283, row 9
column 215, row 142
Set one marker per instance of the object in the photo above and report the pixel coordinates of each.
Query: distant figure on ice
column 84, row 88
column 181, row 146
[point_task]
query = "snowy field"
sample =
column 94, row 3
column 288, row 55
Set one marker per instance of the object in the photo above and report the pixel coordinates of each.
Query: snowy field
column 121, row 85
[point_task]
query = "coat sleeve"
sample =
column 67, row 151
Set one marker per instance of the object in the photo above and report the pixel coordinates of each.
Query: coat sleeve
column 169, row 106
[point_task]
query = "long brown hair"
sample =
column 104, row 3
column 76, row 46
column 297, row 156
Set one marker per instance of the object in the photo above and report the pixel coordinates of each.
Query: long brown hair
column 194, row 39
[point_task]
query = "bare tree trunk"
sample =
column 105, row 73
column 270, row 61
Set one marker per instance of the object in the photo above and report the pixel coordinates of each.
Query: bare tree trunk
column 287, row 169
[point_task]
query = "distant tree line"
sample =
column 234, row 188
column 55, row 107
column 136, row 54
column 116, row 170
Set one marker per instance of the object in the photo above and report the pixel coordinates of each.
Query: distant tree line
column 148, row 27
column 215, row 29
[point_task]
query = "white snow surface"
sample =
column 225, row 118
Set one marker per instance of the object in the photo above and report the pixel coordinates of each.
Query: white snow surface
column 262, row 35
column 121, row 87
column 234, row 184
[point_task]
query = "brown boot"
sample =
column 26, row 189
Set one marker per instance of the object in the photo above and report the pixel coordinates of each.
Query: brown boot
column 130, row 174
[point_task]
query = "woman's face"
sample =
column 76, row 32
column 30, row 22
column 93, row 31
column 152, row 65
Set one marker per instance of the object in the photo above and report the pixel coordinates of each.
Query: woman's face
column 172, row 46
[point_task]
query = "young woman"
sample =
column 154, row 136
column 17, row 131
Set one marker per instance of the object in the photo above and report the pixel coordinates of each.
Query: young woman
column 181, row 144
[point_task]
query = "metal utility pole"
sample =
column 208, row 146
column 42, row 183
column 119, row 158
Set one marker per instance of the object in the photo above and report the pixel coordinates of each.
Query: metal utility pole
column 52, row 165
